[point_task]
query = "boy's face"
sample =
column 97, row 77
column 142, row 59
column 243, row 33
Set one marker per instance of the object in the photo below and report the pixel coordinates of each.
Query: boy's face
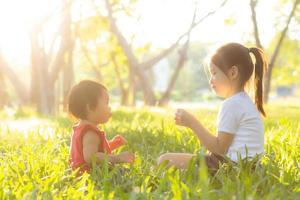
column 102, row 112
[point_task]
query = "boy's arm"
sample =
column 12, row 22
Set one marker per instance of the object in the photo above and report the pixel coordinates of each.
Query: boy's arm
column 91, row 143
column 124, row 157
column 117, row 141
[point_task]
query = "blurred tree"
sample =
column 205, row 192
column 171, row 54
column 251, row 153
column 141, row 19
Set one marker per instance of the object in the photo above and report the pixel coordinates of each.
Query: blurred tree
column 278, row 45
column 102, row 55
column 3, row 91
column 195, row 71
column 46, row 66
column 288, row 71
column 21, row 90
column 140, row 68
column 67, row 58
column 180, row 63
column 102, row 47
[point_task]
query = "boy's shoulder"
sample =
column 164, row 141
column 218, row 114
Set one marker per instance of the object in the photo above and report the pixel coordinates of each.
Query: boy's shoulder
column 86, row 127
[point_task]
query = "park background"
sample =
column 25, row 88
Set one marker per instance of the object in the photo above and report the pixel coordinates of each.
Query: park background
column 152, row 57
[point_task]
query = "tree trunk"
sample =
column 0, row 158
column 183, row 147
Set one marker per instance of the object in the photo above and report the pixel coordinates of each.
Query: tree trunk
column 3, row 92
column 268, row 75
column 139, row 68
column 68, row 78
column 42, row 91
column 123, row 90
column 36, row 74
column 68, row 72
column 148, row 92
column 131, row 89
column 253, row 4
column 181, row 60
column 20, row 88
column 267, row 82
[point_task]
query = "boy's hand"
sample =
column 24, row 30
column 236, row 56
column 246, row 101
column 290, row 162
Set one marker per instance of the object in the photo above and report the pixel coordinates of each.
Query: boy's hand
column 126, row 157
column 183, row 118
column 120, row 140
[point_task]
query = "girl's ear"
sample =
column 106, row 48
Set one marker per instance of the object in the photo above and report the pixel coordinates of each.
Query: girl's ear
column 234, row 72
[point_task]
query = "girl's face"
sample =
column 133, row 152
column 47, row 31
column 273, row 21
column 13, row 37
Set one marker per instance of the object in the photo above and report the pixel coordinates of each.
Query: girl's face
column 219, row 81
column 102, row 112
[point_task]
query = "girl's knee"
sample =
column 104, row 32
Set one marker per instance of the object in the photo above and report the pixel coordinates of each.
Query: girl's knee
column 162, row 158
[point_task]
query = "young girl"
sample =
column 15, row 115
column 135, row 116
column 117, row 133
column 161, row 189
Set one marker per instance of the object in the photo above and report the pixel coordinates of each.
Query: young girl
column 89, row 102
column 240, row 130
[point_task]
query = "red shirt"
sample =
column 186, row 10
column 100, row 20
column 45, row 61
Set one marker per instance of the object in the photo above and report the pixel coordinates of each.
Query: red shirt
column 76, row 152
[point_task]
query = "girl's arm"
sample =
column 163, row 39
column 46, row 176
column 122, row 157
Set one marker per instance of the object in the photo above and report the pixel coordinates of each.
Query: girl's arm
column 91, row 143
column 216, row 144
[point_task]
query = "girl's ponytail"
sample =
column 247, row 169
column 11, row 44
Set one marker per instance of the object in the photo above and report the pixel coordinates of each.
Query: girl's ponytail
column 260, row 67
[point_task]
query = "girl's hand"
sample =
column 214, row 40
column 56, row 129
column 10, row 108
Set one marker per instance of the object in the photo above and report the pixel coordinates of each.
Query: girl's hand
column 120, row 140
column 126, row 157
column 183, row 118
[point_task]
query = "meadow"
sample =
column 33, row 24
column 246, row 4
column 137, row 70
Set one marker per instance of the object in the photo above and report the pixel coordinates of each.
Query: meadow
column 34, row 154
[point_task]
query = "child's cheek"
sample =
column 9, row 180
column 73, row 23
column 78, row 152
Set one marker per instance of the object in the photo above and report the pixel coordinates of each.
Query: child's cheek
column 108, row 114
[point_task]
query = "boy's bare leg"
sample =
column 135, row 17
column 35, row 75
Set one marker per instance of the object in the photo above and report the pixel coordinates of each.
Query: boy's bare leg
column 178, row 160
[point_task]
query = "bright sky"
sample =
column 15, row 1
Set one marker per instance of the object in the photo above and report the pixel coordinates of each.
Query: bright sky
column 16, row 17
column 171, row 18
column 162, row 21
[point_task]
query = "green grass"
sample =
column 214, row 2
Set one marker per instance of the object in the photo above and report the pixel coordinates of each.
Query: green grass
column 34, row 154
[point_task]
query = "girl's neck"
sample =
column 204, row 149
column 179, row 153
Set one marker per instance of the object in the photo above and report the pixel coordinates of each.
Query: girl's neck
column 235, row 92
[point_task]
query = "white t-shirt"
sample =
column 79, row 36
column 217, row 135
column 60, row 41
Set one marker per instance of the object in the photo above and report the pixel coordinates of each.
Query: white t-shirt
column 239, row 116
